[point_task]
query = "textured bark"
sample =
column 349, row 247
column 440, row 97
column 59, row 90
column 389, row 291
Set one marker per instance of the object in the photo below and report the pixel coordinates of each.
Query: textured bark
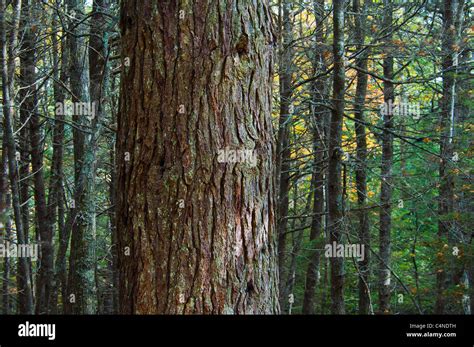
column 335, row 226
column 361, row 156
column 284, row 150
column 25, row 305
column 319, row 140
column 386, row 171
column 200, row 233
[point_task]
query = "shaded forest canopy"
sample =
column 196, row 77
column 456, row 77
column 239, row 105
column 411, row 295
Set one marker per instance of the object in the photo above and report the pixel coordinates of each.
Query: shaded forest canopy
column 236, row 157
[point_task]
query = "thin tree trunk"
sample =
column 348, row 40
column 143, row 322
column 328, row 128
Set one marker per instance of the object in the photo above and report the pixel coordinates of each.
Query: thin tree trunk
column 5, row 202
column 298, row 239
column 28, row 79
column 319, row 150
column 283, row 149
column 446, row 186
column 85, row 240
column 361, row 157
column 336, row 224
column 24, row 148
column 113, row 219
column 81, row 275
column 63, row 231
column 55, row 194
column 386, row 170
column 8, row 66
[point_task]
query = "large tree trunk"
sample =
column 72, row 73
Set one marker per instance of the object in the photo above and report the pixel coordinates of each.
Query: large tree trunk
column 196, row 229
column 336, row 224
column 386, row 170
column 361, row 156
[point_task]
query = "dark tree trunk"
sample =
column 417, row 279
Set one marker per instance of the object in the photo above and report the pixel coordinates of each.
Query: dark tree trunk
column 446, row 185
column 283, row 150
column 361, row 156
column 44, row 279
column 58, row 149
column 335, row 226
column 5, row 229
column 98, row 56
column 56, row 193
column 386, row 170
column 196, row 234
column 24, row 148
column 81, row 276
column 112, row 213
column 25, row 305
column 319, row 140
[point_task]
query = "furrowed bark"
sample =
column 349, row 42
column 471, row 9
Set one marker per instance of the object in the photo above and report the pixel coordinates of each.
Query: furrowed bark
column 196, row 235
